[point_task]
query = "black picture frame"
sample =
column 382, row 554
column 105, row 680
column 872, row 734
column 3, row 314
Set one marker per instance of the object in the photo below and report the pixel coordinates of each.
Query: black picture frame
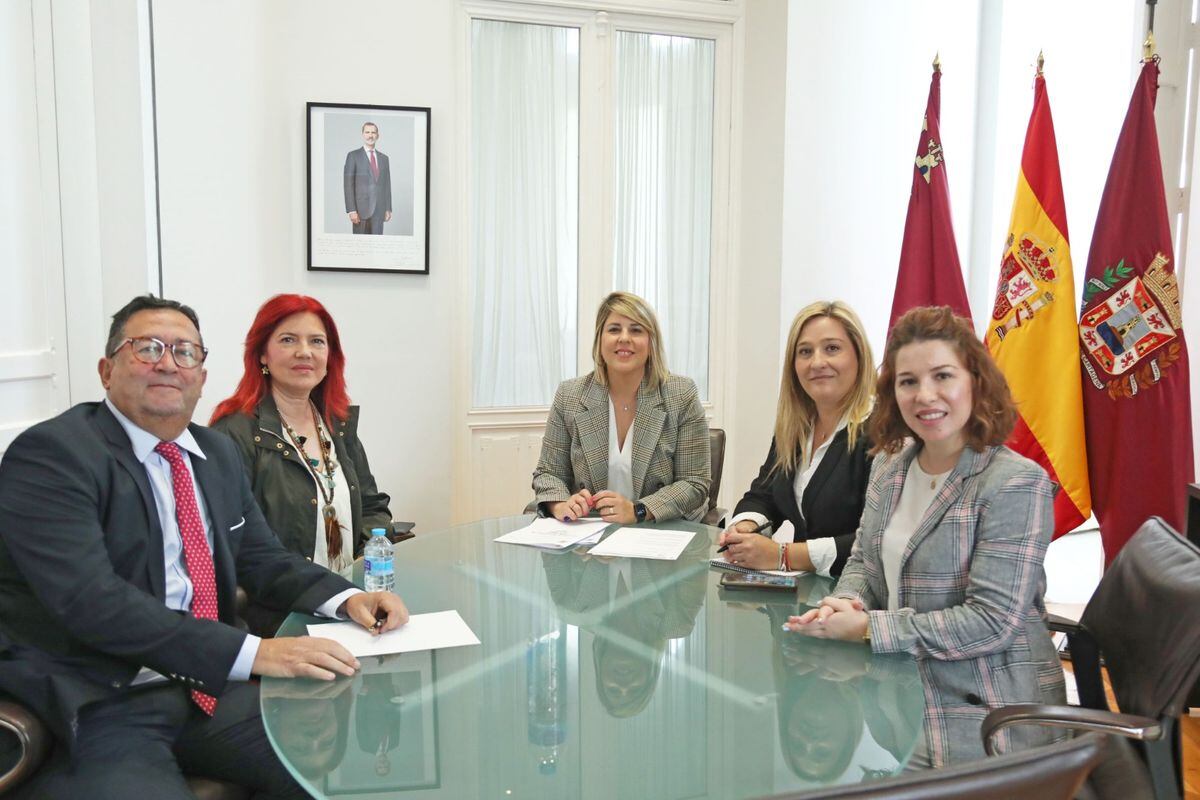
column 340, row 180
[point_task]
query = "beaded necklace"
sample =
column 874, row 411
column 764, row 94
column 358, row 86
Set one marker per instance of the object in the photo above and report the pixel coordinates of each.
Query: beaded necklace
column 322, row 470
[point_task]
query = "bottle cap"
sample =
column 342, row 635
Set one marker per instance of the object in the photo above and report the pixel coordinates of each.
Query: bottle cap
column 379, row 531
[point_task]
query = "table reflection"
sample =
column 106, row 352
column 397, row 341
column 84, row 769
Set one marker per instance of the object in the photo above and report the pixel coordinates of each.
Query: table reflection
column 595, row 677
column 844, row 714
column 633, row 607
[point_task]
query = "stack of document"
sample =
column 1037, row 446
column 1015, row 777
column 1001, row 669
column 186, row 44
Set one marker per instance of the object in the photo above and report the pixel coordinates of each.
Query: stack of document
column 556, row 535
column 644, row 543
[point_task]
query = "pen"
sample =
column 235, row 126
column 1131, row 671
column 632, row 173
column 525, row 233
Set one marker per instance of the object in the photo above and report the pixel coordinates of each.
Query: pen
column 757, row 529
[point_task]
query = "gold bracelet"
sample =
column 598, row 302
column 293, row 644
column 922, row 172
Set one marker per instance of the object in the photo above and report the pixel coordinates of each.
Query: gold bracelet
column 867, row 631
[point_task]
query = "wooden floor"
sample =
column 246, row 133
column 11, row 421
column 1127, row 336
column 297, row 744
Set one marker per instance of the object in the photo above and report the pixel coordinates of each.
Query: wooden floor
column 1189, row 730
column 1191, row 757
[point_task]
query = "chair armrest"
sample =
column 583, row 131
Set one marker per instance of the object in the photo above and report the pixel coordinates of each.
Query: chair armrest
column 1130, row 726
column 32, row 737
column 401, row 531
column 1062, row 624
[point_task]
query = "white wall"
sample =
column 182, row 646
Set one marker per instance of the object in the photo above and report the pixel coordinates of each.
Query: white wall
column 754, row 354
column 857, row 83
column 232, row 82
column 857, row 80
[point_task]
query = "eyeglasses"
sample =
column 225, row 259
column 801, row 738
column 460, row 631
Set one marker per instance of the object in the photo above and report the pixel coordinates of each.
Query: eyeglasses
column 187, row 355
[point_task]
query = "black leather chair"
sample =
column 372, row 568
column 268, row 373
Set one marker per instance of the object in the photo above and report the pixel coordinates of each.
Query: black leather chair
column 1053, row 772
column 716, row 449
column 25, row 742
column 1144, row 621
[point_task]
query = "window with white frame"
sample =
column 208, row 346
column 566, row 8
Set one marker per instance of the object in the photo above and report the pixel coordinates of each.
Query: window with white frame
column 591, row 169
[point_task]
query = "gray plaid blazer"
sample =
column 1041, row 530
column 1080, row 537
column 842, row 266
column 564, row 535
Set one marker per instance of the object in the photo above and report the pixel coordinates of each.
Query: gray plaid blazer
column 971, row 592
column 671, row 460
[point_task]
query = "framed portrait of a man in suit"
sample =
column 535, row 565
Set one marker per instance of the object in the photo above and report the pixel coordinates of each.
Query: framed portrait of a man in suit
column 368, row 188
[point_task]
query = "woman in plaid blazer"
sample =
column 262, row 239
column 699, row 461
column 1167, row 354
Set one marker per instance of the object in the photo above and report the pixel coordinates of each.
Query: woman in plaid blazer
column 948, row 560
column 628, row 439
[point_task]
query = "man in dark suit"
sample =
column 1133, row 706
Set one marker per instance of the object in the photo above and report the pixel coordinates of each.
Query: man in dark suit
column 124, row 531
column 367, row 179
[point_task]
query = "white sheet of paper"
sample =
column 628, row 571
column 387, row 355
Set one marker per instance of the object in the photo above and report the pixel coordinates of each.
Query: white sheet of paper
column 422, row 632
column 595, row 537
column 644, row 543
column 554, row 534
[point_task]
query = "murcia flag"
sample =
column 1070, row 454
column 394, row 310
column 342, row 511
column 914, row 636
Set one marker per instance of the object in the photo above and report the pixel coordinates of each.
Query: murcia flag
column 1032, row 333
column 930, row 274
column 1135, row 363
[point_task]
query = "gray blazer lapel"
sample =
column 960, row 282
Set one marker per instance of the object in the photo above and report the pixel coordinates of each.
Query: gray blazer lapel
column 892, row 481
column 592, row 427
column 969, row 463
column 122, row 450
column 647, row 428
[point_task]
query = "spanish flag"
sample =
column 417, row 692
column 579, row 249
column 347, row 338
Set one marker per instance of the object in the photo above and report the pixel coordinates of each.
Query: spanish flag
column 1032, row 332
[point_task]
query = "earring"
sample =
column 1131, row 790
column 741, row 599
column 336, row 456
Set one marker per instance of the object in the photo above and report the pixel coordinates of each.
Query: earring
column 265, row 371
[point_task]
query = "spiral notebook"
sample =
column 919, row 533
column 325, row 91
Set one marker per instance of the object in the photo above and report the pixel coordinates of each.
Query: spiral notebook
column 720, row 563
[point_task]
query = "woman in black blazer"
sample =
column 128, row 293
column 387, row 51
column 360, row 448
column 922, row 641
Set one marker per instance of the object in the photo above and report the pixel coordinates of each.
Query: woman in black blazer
column 816, row 471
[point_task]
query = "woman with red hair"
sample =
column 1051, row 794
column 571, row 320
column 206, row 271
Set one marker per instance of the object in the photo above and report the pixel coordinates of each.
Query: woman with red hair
column 298, row 434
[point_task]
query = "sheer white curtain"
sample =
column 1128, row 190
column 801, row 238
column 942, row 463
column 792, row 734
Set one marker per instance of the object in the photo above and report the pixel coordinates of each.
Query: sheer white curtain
column 524, row 220
column 663, row 216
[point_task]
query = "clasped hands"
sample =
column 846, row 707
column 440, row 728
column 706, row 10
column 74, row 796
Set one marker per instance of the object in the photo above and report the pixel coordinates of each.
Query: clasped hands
column 325, row 659
column 836, row 618
column 611, row 506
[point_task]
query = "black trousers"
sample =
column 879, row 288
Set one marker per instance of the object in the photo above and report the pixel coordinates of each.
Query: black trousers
column 373, row 225
column 140, row 743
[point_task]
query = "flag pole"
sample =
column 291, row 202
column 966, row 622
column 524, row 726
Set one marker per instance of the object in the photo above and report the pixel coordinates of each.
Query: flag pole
column 937, row 61
column 1148, row 47
column 1040, row 63
column 1150, row 23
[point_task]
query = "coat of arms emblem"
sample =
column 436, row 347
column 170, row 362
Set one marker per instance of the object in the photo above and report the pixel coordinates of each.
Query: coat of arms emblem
column 1131, row 326
column 1019, row 291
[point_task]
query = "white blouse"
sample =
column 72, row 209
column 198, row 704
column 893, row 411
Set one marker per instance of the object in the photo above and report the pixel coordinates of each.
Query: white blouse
column 620, row 460
column 919, row 490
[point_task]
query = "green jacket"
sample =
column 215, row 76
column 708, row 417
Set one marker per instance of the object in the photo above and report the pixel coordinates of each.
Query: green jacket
column 285, row 489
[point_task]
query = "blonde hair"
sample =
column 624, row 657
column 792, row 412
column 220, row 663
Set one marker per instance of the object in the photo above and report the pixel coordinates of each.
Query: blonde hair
column 638, row 310
column 797, row 413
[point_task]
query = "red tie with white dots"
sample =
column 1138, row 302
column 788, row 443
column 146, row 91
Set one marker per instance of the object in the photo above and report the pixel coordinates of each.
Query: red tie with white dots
column 195, row 549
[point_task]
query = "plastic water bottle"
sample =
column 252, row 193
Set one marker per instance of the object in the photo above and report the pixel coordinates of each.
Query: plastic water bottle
column 377, row 563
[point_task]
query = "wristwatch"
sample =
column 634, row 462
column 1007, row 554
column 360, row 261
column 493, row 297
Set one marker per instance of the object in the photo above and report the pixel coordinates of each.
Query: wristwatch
column 639, row 511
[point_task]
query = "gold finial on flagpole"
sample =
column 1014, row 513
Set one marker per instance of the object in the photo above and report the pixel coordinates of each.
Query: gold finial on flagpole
column 1040, row 62
column 937, row 61
column 1148, row 46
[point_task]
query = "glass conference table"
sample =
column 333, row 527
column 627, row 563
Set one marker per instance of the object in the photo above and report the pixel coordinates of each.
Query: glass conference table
column 595, row 678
